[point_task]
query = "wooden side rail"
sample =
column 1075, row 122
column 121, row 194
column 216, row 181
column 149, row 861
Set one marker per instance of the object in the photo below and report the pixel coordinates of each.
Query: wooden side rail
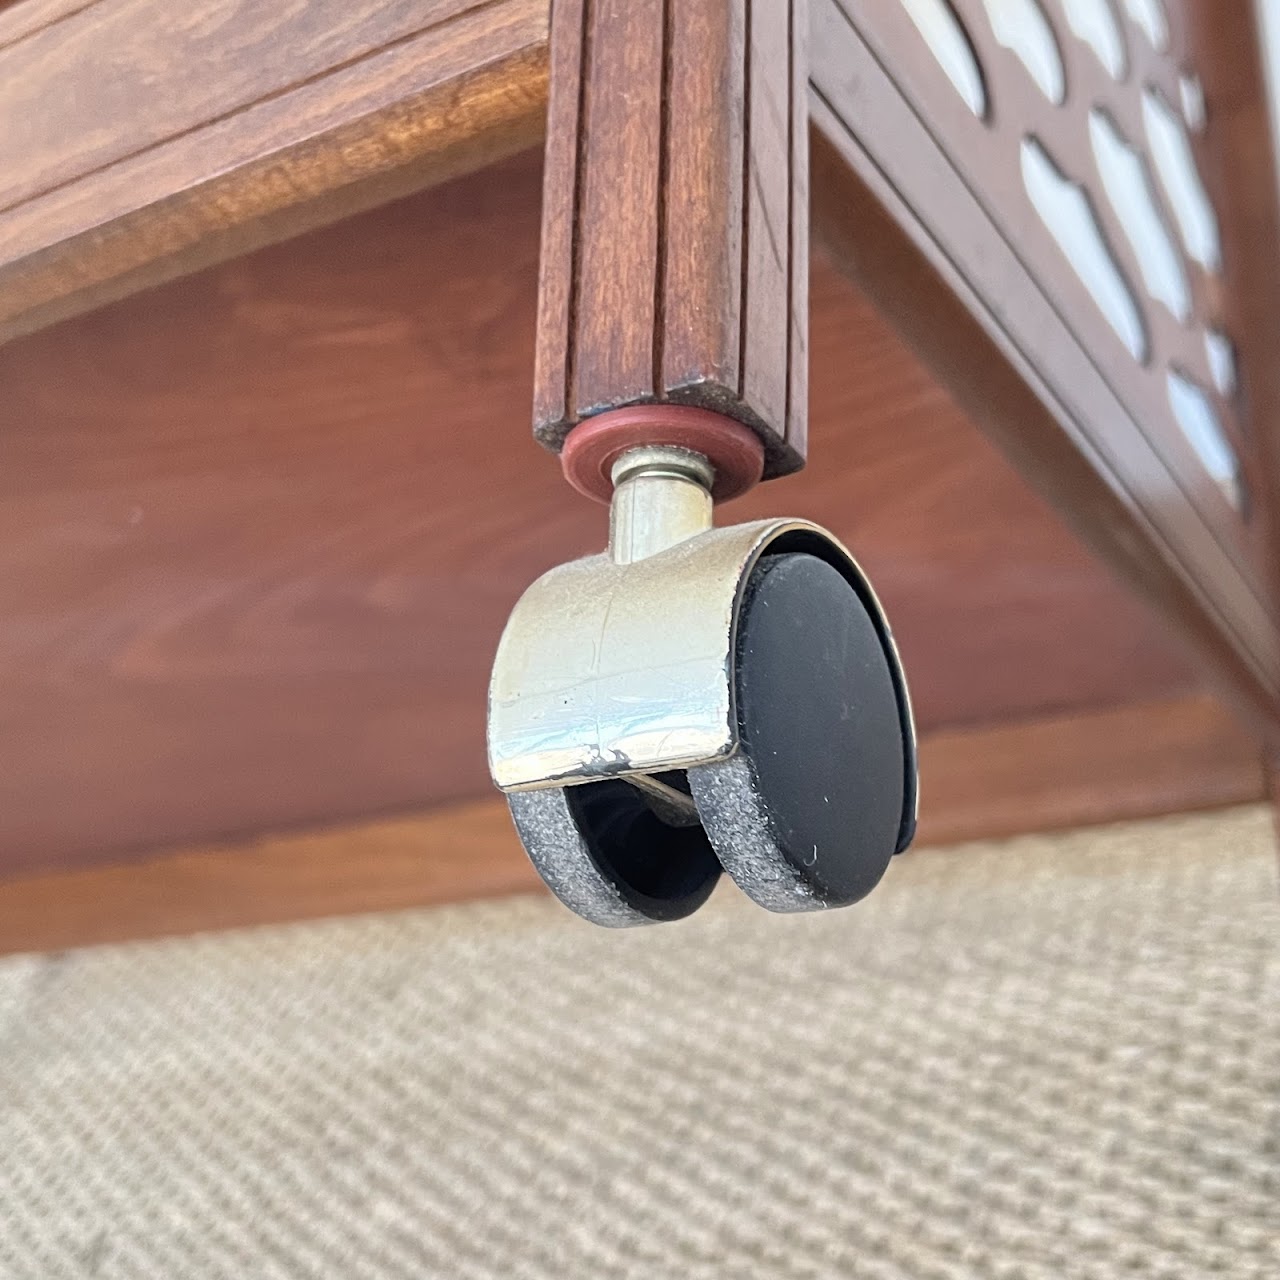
column 200, row 131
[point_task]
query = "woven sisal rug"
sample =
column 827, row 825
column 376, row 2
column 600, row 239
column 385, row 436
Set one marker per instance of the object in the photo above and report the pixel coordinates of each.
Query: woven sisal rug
column 1056, row 1057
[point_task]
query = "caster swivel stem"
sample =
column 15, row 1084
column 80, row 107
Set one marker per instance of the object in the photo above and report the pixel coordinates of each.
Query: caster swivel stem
column 661, row 496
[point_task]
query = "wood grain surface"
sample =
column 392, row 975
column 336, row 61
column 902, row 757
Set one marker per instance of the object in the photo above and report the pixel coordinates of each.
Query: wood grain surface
column 21, row 18
column 675, row 215
column 1073, row 770
column 897, row 212
column 199, row 131
column 259, row 531
column 410, row 94
column 985, row 781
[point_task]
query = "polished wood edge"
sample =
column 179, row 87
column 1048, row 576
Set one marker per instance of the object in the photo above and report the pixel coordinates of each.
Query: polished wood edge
column 990, row 781
column 455, row 126
column 1136, row 761
column 452, row 853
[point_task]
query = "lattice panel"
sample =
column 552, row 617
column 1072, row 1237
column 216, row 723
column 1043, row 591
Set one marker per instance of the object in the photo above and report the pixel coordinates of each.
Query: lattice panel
column 1077, row 123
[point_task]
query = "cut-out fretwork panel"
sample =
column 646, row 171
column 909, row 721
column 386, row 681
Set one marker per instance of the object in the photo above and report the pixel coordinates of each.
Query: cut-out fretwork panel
column 1083, row 152
column 1094, row 22
column 941, row 31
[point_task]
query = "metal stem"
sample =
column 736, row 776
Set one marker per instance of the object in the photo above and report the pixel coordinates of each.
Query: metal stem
column 661, row 496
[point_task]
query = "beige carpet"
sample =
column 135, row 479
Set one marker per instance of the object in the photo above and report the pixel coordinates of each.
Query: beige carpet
column 1052, row 1058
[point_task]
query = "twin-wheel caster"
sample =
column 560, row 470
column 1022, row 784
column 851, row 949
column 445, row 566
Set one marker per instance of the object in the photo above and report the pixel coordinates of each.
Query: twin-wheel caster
column 698, row 699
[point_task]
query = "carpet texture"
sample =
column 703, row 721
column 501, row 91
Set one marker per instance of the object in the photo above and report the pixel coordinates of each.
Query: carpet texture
column 1056, row 1057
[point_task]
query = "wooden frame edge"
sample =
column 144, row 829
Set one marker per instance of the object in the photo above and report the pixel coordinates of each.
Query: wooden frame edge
column 986, row 782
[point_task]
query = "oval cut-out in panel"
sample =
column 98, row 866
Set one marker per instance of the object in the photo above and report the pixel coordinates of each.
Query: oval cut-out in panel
column 1171, row 154
column 1149, row 15
column 1065, row 210
column 1124, row 179
column 1094, row 22
column 1195, row 415
column 1191, row 91
column 949, row 43
column 1020, row 25
column 1222, row 361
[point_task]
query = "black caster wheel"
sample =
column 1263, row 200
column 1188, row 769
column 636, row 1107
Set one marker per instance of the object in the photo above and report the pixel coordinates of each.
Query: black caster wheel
column 810, row 810
column 698, row 698
column 606, row 854
column 805, row 815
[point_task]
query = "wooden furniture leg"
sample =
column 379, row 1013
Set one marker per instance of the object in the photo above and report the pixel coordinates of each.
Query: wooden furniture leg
column 676, row 216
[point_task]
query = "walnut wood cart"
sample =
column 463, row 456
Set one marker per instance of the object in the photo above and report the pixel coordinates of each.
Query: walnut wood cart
column 276, row 290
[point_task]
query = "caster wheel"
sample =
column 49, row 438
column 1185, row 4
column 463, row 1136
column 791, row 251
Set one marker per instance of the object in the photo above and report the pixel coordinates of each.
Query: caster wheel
column 606, row 854
column 715, row 698
column 809, row 811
